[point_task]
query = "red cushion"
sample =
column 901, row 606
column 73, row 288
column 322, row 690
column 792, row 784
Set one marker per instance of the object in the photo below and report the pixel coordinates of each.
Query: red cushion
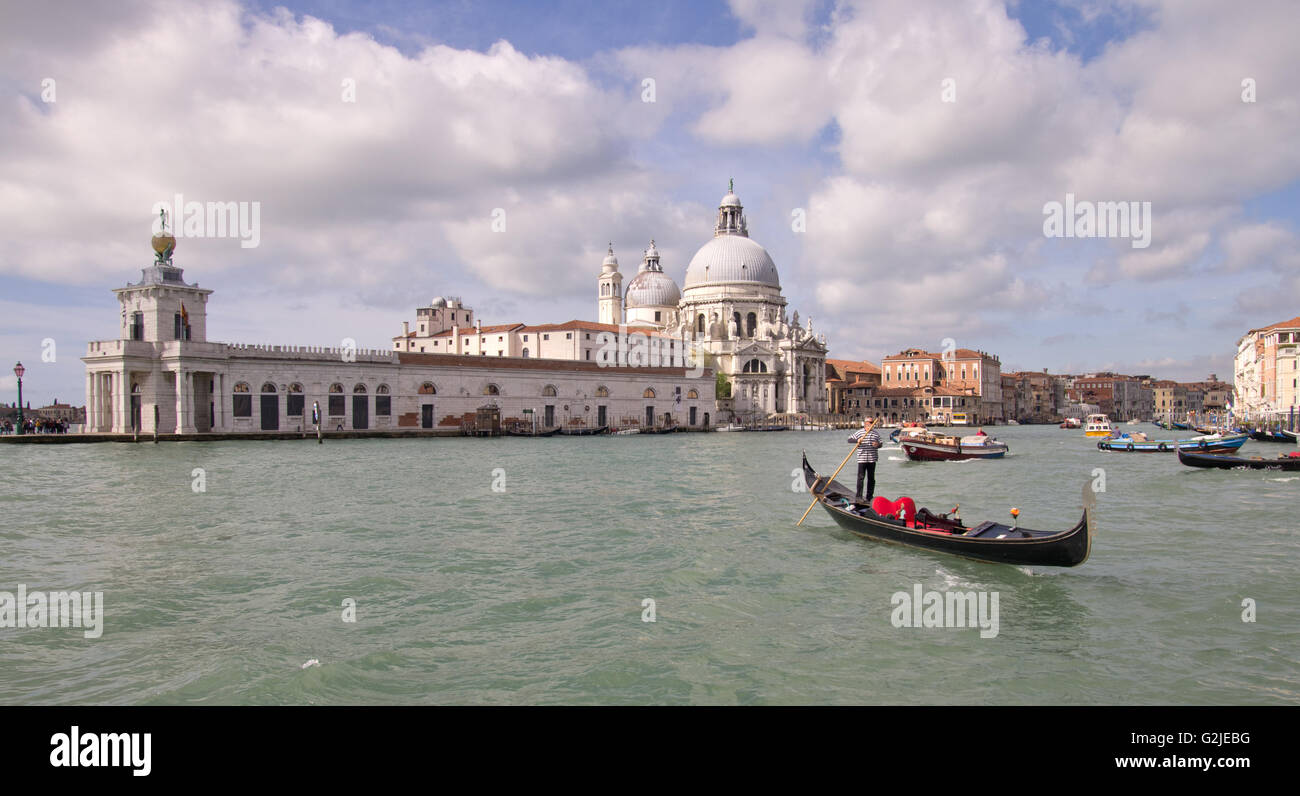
column 902, row 509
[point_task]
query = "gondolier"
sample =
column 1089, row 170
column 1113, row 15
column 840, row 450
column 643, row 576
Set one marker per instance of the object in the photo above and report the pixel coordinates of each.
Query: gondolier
column 868, row 442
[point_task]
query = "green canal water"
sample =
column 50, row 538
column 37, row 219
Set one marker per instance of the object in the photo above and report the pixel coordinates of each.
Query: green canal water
column 534, row 594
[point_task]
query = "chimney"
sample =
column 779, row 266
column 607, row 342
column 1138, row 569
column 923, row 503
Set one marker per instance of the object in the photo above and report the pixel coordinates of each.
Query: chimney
column 406, row 328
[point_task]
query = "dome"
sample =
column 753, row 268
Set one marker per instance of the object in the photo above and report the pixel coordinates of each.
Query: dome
column 732, row 258
column 730, row 200
column 651, row 289
column 438, row 301
column 610, row 262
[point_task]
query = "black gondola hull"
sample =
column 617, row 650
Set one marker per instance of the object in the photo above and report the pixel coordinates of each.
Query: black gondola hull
column 1219, row 462
column 1064, row 549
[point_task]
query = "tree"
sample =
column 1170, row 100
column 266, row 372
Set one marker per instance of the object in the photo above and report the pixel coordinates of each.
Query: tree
column 723, row 387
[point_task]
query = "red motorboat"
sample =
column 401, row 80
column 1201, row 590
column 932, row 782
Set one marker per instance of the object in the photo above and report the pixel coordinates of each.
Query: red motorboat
column 944, row 447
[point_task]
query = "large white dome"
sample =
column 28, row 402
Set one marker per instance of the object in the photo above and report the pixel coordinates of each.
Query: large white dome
column 732, row 258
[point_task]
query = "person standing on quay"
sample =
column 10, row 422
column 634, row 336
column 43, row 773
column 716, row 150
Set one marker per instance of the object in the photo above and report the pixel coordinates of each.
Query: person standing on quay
column 868, row 442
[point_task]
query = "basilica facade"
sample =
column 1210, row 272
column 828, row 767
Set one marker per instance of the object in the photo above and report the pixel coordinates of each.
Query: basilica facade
column 730, row 305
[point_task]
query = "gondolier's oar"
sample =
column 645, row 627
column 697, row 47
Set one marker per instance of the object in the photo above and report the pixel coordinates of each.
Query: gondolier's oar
column 837, row 472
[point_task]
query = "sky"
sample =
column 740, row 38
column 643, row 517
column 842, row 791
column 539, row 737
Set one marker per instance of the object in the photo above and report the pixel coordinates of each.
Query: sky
column 897, row 158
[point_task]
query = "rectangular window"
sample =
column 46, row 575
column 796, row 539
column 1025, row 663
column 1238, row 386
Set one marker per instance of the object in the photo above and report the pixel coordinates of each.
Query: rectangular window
column 383, row 405
column 137, row 326
column 336, row 406
column 569, row 335
column 546, row 337
column 243, row 405
column 178, row 327
column 295, row 404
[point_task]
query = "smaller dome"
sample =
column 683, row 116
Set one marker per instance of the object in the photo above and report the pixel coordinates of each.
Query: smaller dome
column 610, row 259
column 651, row 289
column 652, row 251
column 730, row 200
column 438, row 301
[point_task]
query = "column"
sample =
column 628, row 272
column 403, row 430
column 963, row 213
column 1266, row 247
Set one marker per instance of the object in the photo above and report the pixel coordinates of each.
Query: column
column 90, row 402
column 180, row 400
column 123, row 413
column 188, row 425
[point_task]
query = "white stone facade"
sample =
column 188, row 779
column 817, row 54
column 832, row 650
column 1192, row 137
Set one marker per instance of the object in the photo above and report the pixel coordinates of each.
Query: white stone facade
column 163, row 375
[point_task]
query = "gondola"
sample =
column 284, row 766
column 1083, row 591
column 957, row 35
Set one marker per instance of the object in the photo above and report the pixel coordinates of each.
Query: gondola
column 987, row 541
column 583, row 431
column 659, row 430
column 1289, row 462
column 1262, row 435
column 523, row 431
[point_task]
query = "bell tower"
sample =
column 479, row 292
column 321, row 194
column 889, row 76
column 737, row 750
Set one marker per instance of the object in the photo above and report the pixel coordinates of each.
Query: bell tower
column 162, row 306
column 610, row 291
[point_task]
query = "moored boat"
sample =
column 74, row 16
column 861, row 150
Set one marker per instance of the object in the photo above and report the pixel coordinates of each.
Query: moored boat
column 583, row 431
column 900, row 522
column 528, row 431
column 944, row 447
column 1071, row 422
column 1139, row 443
column 1288, row 461
column 1267, row 435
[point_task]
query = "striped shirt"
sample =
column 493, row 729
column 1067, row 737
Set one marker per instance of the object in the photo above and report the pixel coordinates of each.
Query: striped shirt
column 867, row 450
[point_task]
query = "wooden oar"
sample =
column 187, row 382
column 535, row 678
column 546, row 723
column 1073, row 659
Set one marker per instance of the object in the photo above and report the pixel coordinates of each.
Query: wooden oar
column 837, row 472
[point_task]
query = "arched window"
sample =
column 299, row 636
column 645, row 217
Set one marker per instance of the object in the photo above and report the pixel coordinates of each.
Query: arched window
column 268, row 387
column 242, row 401
column 383, row 401
column 602, row 391
column 740, row 324
column 360, row 388
column 699, row 323
column 692, row 394
column 296, row 399
column 525, row 353
column 548, row 391
column 428, row 389
column 751, row 324
column 336, row 401
column 649, row 393
column 491, row 389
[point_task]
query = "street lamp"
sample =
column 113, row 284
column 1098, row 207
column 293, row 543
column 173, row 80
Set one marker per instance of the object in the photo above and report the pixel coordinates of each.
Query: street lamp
column 19, row 370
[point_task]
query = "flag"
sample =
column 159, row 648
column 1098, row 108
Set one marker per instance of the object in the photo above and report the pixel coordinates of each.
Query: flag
column 185, row 316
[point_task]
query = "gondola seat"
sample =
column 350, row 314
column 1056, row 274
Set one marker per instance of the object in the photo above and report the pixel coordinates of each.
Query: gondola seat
column 892, row 509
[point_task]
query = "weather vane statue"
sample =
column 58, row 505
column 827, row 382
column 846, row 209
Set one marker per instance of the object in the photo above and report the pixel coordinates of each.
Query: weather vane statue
column 731, row 185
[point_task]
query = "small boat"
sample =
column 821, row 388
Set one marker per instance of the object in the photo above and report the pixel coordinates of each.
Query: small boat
column 944, row 447
column 1288, row 461
column 1181, row 426
column 1098, row 426
column 583, row 431
column 1138, row 443
column 900, row 522
column 624, row 432
column 659, row 430
column 526, row 431
column 1292, row 435
column 1072, row 422
column 1265, row 435
column 730, row 427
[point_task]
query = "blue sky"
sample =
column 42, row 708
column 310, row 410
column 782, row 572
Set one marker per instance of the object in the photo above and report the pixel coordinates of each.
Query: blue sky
column 924, row 216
